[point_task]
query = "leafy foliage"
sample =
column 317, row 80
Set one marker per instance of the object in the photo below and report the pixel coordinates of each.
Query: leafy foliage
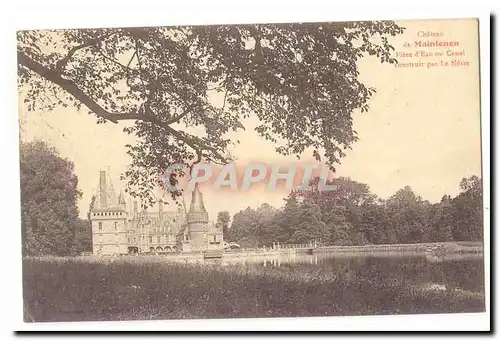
column 468, row 210
column 82, row 241
column 252, row 228
column 351, row 215
column 49, row 196
column 300, row 80
column 223, row 219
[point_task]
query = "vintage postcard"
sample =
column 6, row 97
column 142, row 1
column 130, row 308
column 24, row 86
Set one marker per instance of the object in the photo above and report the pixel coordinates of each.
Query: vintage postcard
column 295, row 169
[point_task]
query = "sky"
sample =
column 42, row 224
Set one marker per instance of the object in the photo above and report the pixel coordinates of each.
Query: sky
column 422, row 129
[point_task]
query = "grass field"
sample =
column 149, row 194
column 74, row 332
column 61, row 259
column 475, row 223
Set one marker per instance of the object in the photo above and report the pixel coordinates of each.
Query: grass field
column 135, row 288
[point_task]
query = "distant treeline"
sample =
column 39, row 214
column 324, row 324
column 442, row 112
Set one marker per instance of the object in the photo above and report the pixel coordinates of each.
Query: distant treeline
column 351, row 215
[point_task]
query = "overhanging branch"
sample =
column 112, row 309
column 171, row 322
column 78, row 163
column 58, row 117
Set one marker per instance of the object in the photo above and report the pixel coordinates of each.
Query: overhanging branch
column 55, row 77
column 62, row 63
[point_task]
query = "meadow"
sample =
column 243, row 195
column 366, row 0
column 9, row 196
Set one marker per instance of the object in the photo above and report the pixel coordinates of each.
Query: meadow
column 144, row 288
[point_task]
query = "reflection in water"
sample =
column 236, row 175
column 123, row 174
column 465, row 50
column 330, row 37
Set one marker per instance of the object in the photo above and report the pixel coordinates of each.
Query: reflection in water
column 321, row 258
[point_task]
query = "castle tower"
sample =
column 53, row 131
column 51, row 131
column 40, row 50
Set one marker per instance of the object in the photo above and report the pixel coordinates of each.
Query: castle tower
column 109, row 220
column 195, row 236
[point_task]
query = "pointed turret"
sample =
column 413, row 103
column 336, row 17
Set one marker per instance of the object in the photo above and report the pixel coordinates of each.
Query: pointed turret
column 197, row 201
column 105, row 196
column 197, row 211
column 121, row 201
column 112, row 197
column 103, row 190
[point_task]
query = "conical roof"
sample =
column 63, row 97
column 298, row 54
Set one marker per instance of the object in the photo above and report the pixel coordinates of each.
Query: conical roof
column 197, row 205
column 105, row 196
column 121, row 198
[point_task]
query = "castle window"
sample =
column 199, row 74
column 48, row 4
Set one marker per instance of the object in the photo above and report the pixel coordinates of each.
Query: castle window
column 116, row 225
column 117, row 238
column 150, row 239
column 215, row 238
column 158, row 240
column 100, row 226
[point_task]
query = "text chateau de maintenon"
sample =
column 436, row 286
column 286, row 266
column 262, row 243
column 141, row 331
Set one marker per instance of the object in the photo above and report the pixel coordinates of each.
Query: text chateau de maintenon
column 117, row 230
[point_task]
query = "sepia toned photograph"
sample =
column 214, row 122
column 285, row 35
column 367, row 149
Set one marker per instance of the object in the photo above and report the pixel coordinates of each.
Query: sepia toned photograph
column 293, row 169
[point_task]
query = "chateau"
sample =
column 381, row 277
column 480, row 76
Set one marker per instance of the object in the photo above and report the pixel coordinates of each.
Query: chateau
column 118, row 230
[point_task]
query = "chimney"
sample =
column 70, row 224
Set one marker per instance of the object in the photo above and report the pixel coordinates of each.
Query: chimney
column 160, row 209
column 103, row 193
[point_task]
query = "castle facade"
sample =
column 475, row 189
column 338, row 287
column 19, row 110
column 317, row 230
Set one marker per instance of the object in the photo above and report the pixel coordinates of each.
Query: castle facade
column 118, row 230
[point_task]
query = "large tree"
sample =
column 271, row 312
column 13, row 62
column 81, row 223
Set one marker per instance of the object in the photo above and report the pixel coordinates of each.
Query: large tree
column 223, row 219
column 408, row 216
column 300, row 80
column 468, row 210
column 49, row 197
column 342, row 209
column 442, row 221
